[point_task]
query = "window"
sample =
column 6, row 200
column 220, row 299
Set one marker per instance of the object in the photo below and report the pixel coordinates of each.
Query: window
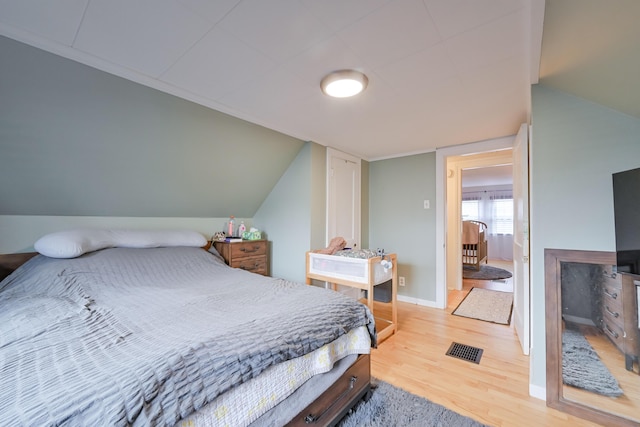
column 471, row 210
column 502, row 216
column 494, row 207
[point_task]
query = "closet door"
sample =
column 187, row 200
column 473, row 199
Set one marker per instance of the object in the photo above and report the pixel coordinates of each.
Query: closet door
column 343, row 197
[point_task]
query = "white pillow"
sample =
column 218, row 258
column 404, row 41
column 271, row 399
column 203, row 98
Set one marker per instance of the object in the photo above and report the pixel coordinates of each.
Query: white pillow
column 73, row 243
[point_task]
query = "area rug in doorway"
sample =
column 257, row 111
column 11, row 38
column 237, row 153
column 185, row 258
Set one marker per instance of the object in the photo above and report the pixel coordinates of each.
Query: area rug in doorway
column 392, row 406
column 487, row 305
column 582, row 368
column 486, row 272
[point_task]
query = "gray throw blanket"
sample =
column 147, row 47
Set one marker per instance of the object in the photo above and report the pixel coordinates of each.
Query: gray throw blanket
column 121, row 335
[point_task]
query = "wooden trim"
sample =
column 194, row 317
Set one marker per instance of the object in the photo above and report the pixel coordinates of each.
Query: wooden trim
column 9, row 262
column 553, row 258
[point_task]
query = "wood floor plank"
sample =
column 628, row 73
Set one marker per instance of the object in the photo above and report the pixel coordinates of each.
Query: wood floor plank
column 494, row 392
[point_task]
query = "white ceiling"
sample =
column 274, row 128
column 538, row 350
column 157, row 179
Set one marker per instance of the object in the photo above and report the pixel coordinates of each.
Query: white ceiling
column 487, row 176
column 441, row 72
column 591, row 49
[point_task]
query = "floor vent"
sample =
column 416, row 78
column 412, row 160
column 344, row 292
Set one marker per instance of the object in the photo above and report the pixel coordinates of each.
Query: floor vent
column 465, row 352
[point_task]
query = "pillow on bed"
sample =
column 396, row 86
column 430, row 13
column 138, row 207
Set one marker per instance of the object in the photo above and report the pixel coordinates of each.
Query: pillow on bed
column 73, row 243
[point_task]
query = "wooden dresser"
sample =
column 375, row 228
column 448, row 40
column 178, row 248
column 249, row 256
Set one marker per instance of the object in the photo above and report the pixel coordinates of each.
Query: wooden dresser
column 619, row 317
column 250, row 255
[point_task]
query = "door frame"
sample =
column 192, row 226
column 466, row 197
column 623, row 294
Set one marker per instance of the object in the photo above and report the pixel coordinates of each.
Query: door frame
column 442, row 223
column 455, row 168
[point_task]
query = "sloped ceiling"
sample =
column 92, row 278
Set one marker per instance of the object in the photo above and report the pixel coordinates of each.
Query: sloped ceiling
column 441, row 72
column 591, row 49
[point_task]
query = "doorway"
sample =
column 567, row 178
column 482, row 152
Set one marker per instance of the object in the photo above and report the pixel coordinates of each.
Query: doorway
column 487, row 199
column 457, row 168
column 450, row 162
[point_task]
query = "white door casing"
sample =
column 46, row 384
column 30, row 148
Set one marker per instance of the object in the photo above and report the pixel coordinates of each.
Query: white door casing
column 447, row 234
column 521, row 289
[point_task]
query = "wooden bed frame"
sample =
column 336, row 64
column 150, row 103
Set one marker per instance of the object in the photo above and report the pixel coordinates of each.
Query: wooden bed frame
column 327, row 410
column 10, row 262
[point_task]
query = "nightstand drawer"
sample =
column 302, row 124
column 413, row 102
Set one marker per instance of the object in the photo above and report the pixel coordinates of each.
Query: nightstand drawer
column 249, row 255
column 248, row 248
column 257, row 264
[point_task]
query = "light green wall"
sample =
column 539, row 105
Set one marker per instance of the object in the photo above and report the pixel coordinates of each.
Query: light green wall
column 576, row 147
column 76, row 141
column 294, row 213
column 286, row 216
column 18, row 233
column 318, row 190
column 399, row 223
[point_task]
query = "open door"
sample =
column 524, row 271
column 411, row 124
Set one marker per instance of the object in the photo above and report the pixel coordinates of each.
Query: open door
column 521, row 300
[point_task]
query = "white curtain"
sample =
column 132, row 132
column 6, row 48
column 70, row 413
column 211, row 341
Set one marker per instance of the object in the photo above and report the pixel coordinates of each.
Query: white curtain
column 494, row 208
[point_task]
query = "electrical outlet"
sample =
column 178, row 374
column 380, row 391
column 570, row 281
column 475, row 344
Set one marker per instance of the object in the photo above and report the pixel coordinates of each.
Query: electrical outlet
column 401, row 280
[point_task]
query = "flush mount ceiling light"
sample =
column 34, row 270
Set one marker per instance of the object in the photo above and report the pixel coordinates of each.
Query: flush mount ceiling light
column 344, row 83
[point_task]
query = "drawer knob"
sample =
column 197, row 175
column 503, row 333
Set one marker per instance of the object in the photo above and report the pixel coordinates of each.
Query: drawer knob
column 613, row 295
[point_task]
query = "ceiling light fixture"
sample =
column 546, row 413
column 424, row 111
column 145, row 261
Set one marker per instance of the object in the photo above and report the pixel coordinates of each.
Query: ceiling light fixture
column 344, row 83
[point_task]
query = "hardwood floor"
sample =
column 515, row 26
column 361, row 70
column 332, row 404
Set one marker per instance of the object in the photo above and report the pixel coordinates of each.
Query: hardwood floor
column 494, row 392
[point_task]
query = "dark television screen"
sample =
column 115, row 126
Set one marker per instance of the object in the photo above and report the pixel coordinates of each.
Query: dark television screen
column 626, row 203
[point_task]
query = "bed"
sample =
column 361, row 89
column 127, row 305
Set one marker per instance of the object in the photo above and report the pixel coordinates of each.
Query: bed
column 474, row 244
column 171, row 335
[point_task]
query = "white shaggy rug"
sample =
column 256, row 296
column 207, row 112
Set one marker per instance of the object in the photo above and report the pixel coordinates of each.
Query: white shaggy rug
column 487, row 305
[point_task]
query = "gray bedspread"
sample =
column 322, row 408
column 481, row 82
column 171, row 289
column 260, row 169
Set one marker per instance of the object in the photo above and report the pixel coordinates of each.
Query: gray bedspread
column 121, row 334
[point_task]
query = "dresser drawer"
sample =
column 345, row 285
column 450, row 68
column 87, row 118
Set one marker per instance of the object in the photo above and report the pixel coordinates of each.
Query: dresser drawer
column 257, row 264
column 612, row 316
column 614, row 332
column 612, row 305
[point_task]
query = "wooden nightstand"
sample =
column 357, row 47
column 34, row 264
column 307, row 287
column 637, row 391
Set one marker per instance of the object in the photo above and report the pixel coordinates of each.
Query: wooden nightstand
column 250, row 255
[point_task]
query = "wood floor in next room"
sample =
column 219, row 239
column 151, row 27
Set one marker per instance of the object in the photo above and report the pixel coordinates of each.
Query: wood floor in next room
column 494, row 392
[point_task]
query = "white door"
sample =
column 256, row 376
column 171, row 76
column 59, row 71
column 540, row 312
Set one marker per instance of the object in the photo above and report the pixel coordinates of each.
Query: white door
column 521, row 237
column 343, row 197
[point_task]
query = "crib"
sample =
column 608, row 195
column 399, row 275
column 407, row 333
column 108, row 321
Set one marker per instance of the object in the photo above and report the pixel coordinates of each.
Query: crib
column 363, row 274
column 474, row 243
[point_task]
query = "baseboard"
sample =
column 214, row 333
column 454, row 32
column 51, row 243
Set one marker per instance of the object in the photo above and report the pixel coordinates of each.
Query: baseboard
column 538, row 392
column 417, row 301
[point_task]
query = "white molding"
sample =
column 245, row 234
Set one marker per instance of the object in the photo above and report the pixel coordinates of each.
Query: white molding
column 538, row 392
column 417, row 301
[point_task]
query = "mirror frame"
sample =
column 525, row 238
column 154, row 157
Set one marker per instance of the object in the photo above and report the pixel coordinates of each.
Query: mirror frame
column 553, row 324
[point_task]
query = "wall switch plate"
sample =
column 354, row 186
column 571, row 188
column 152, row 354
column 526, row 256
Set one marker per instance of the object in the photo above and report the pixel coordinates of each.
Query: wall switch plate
column 401, row 281
column 426, row 204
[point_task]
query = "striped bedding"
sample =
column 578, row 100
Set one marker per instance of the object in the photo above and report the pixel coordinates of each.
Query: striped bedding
column 123, row 335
